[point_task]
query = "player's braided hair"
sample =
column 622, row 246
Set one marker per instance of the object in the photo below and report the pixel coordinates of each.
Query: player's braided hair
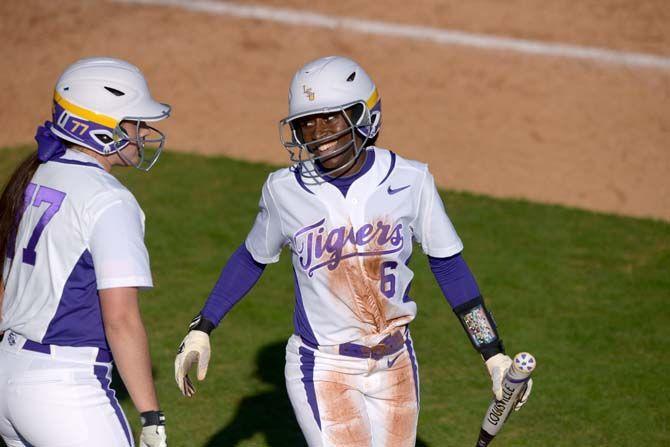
column 11, row 204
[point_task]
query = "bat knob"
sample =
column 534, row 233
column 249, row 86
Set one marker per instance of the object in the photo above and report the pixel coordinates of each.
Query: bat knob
column 525, row 362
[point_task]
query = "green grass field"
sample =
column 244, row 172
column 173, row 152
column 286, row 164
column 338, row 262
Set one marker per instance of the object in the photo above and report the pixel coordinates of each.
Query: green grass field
column 586, row 293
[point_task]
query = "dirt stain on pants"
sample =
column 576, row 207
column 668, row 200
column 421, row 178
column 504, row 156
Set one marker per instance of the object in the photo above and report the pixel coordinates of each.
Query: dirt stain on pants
column 374, row 409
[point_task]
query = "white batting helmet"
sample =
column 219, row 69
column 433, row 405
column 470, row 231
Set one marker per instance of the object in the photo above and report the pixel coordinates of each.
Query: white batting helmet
column 326, row 85
column 94, row 95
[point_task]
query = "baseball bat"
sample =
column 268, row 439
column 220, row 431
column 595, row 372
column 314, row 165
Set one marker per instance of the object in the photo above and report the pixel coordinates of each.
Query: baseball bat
column 514, row 385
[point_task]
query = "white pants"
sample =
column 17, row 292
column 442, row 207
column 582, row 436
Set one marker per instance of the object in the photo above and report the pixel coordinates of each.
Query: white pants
column 343, row 401
column 58, row 399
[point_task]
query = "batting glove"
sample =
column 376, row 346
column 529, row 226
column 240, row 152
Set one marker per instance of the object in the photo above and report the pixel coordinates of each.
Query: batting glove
column 194, row 349
column 153, row 429
column 498, row 366
column 524, row 396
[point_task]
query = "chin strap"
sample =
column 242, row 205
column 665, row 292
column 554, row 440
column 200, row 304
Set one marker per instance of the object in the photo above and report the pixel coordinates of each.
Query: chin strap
column 480, row 327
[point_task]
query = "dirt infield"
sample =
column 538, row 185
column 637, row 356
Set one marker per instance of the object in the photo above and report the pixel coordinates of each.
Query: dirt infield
column 548, row 129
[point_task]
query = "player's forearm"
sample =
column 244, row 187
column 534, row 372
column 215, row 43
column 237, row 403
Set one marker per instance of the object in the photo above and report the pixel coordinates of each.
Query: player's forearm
column 130, row 348
column 127, row 339
column 455, row 279
column 460, row 288
column 480, row 327
column 239, row 275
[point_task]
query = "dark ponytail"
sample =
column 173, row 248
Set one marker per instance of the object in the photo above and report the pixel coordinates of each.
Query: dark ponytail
column 12, row 201
column 11, row 205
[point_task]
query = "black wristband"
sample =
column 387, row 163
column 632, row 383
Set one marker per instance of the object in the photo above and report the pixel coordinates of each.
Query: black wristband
column 480, row 327
column 488, row 351
column 154, row 417
column 200, row 323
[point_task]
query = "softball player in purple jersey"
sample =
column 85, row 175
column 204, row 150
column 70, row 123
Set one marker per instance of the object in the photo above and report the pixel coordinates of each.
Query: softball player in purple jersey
column 348, row 211
column 74, row 240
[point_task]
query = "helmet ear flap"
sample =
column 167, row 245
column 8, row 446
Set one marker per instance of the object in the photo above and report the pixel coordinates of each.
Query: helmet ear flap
column 360, row 115
column 365, row 122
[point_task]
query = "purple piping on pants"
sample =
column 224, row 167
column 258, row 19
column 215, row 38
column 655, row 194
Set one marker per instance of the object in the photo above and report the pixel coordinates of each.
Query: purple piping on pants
column 415, row 370
column 101, row 373
column 23, row 440
column 307, row 370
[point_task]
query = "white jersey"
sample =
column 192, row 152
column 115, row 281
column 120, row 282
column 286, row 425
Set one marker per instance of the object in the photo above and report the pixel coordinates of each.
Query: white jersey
column 81, row 231
column 350, row 252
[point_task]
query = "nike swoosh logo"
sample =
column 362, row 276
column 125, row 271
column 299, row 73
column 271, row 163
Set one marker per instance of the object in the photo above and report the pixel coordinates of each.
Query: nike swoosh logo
column 392, row 191
column 391, row 362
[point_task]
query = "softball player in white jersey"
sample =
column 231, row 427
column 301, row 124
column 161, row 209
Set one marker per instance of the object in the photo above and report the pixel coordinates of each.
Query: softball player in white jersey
column 349, row 212
column 73, row 236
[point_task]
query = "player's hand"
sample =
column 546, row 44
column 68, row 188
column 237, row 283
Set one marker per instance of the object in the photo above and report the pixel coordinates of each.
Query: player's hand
column 498, row 366
column 194, row 349
column 153, row 429
column 153, row 436
column 524, row 396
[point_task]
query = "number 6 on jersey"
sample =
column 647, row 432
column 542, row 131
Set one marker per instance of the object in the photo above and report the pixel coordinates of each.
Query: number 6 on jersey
column 387, row 282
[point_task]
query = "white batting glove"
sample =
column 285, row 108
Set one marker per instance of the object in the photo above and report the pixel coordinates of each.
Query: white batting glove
column 153, row 429
column 153, row 436
column 498, row 366
column 524, row 396
column 194, row 349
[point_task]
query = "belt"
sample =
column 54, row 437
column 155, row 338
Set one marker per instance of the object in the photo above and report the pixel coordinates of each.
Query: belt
column 103, row 356
column 389, row 345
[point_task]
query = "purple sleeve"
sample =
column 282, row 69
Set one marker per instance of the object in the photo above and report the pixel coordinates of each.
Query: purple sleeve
column 455, row 279
column 239, row 275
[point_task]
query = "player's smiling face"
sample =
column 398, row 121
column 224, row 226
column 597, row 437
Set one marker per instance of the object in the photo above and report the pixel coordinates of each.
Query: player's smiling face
column 331, row 132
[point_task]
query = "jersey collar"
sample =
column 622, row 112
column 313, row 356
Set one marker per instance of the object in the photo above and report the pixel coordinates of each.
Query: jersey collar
column 78, row 158
column 344, row 183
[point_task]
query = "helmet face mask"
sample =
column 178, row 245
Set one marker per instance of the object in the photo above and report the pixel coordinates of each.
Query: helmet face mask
column 148, row 140
column 327, row 86
column 355, row 115
column 311, row 164
column 94, row 96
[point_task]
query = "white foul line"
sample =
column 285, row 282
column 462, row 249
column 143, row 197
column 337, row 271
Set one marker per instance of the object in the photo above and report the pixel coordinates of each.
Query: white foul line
column 441, row 36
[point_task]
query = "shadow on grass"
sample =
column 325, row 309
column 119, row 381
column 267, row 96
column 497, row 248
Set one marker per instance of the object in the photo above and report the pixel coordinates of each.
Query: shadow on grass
column 268, row 413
